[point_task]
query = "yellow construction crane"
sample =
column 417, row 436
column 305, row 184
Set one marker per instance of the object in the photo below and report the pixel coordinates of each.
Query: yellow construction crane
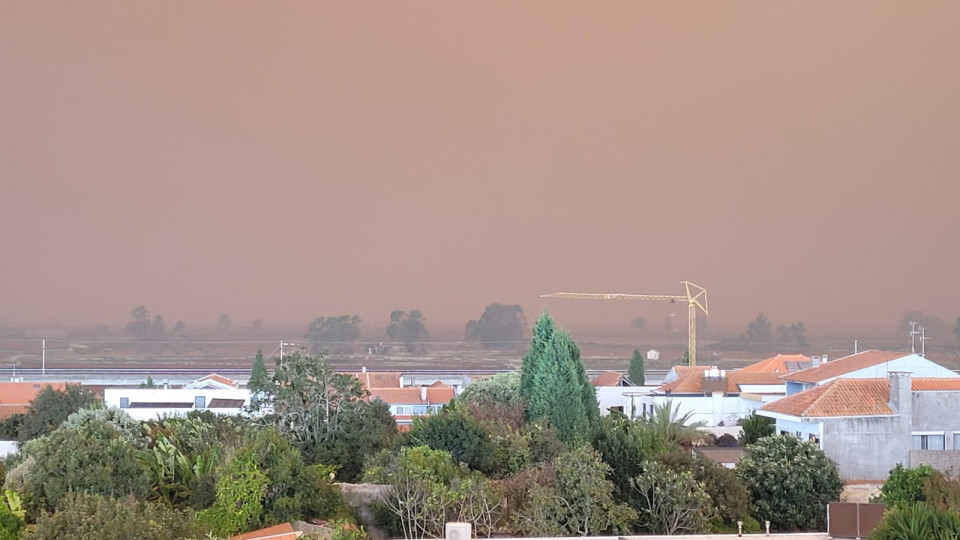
column 696, row 297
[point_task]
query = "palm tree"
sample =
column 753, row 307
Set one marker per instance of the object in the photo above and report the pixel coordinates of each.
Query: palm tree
column 666, row 422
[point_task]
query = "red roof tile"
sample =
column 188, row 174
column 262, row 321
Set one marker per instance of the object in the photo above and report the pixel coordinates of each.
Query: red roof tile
column 691, row 382
column 436, row 395
column 852, row 397
column 284, row 531
column 776, row 364
column 6, row 411
column 22, row 393
column 842, row 366
column 377, row 379
column 607, row 378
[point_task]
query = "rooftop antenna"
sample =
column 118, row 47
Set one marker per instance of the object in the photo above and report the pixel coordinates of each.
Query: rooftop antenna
column 923, row 341
column 913, row 335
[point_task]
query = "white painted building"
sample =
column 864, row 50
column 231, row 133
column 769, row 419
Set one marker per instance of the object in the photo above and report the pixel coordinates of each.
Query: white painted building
column 154, row 403
column 713, row 396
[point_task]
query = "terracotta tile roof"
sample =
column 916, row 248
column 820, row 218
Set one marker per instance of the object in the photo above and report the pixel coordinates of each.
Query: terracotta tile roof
column 691, row 382
column 777, row 364
column 839, row 397
column 437, row 394
column 607, row 378
column 935, row 385
column 283, row 531
column 377, row 379
column 22, row 393
column 842, row 366
column 853, row 397
column 6, row 411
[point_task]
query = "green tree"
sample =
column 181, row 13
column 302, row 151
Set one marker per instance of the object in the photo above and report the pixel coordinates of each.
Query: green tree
column 499, row 325
column 637, row 374
column 727, row 493
column 51, row 408
column 759, row 330
column 93, row 452
column 495, row 399
column 458, row 434
column 98, row 517
column 260, row 382
column 334, row 334
column 670, row 426
column 671, row 502
column 557, row 388
column 578, row 502
column 11, row 517
column 639, row 324
column 408, row 328
column 559, row 392
column 624, row 445
column 904, row 485
column 239, row 502
column 325, row 414
column 790, row 482
column 755, row 427
column 430, row 489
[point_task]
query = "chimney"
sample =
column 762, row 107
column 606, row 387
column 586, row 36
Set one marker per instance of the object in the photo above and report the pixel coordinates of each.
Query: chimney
column 901, row 393
column 825, row 358
column 423, row 393
column 814, row 361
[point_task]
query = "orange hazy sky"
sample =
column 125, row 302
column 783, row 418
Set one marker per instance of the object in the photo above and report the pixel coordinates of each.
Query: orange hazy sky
column 287, row 160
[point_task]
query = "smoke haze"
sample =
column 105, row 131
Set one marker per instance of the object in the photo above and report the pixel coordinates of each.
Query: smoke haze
column 285, row 161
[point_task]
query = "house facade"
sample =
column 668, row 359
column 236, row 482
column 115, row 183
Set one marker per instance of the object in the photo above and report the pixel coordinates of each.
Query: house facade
column 714, row 396
column 868, row 426
column 865, row 365
column 153, row 403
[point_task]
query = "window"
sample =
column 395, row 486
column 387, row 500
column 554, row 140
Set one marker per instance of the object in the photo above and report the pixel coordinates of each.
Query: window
column 402, row 410
column 618, row 409
column 124, row 402
column 800, row 435
column 928, row 442
column 956, row 441
column 200, row 402
column 419, row 409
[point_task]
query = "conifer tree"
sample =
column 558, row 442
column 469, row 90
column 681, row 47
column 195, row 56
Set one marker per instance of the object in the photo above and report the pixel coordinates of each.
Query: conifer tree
column 554, row 383
column 637, row 373
column 259, row 377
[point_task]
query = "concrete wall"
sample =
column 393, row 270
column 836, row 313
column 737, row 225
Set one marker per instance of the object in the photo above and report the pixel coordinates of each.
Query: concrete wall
column 866, row 448
column 936, row 411
column 947, row 461
column 613, row 396
column 712, row 410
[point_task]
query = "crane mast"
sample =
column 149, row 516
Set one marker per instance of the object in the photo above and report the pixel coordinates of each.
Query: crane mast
column 695, row 297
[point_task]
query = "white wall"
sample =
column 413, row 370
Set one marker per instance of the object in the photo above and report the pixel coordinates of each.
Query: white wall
column 712, row 410
column 613, row 396
column 112, row 398
column 917, row 365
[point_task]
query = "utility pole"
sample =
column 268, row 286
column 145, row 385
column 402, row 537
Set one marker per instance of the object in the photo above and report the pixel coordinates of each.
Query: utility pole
column 923, row 341
column 43, row 364
column 913, row 334
column 856, row 344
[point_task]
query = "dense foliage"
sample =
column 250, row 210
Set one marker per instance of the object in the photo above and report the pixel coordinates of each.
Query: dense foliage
column 755, row 427
column 918, row 521
column 51, row 407
column 904, row 485
column 554, row 383
column 790, row 482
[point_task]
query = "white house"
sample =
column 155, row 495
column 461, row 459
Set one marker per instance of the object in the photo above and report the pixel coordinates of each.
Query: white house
column 153, row 403
column 653, row 354
column 865, row 365
column 616, row 393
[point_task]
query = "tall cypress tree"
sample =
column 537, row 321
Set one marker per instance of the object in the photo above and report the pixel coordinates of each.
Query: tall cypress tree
column 637, row 373
column 554, row 383
column 533, row 360
column 259, row 377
